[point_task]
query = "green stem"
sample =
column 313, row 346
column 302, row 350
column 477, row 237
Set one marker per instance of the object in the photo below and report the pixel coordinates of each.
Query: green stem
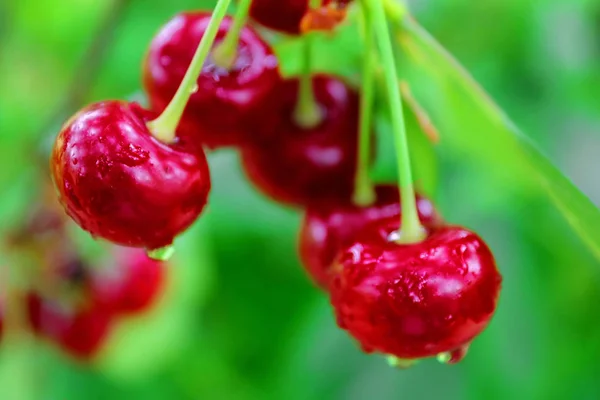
column 163, row 128
column 364, row 194
column 225, row 53
column 307, row 113
column 411, row 230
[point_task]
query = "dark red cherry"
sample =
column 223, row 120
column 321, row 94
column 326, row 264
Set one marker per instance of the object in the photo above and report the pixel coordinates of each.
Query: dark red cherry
column 120, row 183
column 280, row 15
column 419, row 300
column 131, row 284
column 298, row 166
column 329, row 226
column 80, row 331
column 216, row 113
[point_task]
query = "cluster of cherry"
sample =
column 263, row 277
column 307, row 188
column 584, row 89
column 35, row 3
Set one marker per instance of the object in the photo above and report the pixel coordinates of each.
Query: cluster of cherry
column 70, row 301
column 402, row 281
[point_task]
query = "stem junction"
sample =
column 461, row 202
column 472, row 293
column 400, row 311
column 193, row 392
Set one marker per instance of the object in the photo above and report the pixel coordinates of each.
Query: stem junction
column 163, row 128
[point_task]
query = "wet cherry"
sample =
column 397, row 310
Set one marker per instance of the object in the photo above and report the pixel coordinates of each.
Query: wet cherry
column 419, row 300
column 226, row 97
column 299, row 166
column 329, row 226
column 281, row 15
column 131, row 284
column 120, row 183
column 80, row 331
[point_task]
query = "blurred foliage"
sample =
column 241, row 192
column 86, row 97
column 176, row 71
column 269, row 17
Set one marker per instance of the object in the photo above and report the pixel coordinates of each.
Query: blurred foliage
column 240, row 319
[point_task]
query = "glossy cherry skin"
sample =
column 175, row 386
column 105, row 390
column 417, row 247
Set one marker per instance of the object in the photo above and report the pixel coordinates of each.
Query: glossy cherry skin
column 80, row 331
column 133, row 283
column 419, row 300
column 216, row 113
column 120, row 183
column 298, row 166
column 280, row 15
column 328, row 227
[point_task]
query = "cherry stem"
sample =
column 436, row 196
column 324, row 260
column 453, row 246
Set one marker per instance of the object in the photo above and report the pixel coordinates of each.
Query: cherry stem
column 307, row 113
column 163, row 128
column 225, row 53
column 411, row 230
column 364, row 194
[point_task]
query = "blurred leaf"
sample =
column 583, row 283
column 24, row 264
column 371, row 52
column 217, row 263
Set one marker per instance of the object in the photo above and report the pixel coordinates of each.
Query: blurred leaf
column 472, row 126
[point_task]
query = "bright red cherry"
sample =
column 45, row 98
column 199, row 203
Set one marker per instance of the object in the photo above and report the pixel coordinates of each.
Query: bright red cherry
column 328, row 227
column 418, row 300
column 132, row 285
column 299, row 166
column 120, row 183
column 216, row 113
column 80, row 331
column 281, row 15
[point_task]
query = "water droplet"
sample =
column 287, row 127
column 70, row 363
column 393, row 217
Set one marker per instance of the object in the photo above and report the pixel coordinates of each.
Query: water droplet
column 194, row 89
column 445, row 357
column 400, row 363
column 104, row 165
column 161, row 254
column 454, row 356
column 132, row 155
column 393, row 236
column 75, row 161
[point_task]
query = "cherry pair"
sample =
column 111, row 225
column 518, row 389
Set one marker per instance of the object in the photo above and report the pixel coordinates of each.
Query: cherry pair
column 250, row 107
column 77, row 305
column 137, row 178
column 409, row 301
column 119, row 181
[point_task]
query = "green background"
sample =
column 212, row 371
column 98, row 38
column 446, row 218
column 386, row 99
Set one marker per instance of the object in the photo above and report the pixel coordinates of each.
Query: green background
column 240, row 319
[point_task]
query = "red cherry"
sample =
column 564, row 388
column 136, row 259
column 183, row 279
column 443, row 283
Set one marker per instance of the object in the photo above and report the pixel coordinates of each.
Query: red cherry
column 280, row 15
column 120, row 183
column 79, row 331
column 216, row 113
column 328, row 227
column 418, row 300
column 298, row 166
column 132, row 285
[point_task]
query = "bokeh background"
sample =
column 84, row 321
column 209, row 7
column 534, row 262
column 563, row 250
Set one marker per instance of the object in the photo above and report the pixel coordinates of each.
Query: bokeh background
column 240, row 319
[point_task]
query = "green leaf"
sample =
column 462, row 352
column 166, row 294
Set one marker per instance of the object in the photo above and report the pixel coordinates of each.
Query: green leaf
column 474, row 128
